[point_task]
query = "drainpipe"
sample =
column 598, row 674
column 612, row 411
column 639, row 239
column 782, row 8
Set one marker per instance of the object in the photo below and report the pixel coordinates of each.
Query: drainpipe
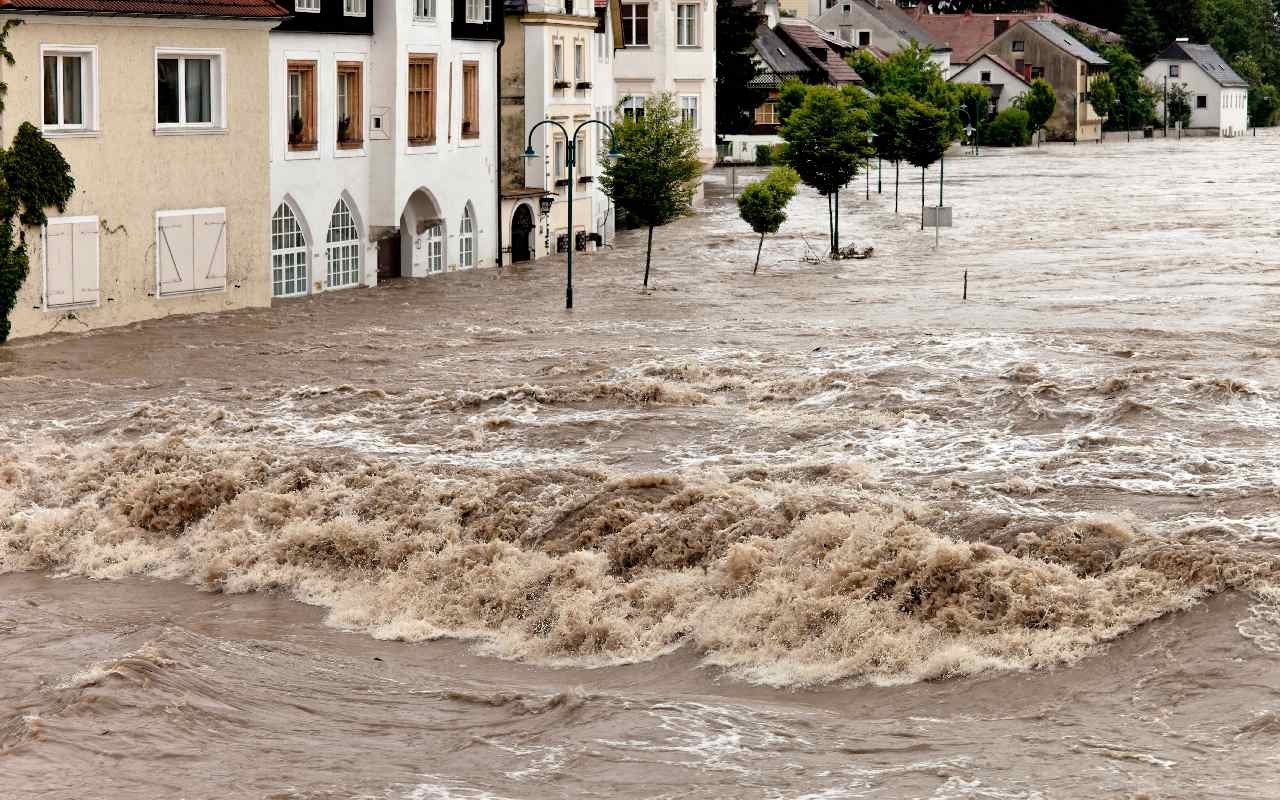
column 497, row 130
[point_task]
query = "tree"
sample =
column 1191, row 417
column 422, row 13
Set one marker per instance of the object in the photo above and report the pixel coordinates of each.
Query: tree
column 1141, row 33
column 824, row 141
column 790, row 97
column 925, row 139
column 736, row 99
column 910, row 71
column 1102, row 96
column 1010, row 128
column 657, row 172
column 762, row 205
column 1039, row 102
column 1178, row 106
column 887, row 121
column 33, row 176
column 1264, row 100
column 868, row 68
column 1135, row 96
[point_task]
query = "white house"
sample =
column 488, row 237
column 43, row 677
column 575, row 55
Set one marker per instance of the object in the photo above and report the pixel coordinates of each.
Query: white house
column 1005, row 84
column 876, row 24
column 670, row 47
column 1219, row 97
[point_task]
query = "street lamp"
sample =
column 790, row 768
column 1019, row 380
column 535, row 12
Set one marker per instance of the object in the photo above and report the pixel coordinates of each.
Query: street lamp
column 871, row 137
column 570, row 159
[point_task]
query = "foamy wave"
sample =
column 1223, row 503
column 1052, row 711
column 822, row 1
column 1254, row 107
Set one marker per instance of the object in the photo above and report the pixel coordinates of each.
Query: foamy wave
column 786, row 576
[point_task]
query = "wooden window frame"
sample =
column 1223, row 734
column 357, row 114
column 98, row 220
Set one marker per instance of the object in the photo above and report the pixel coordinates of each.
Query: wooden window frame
column 355, row 99
column 308, row 140
column 425, row 113
column 470, row 99
column 630, row 24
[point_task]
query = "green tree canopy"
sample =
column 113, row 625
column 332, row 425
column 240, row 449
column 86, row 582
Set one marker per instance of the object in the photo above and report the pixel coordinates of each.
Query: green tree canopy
column 657, row 173
column 1039, row 102
column 1102, row 95
column 1179, row 105
column 926, row 136
column 762, row 204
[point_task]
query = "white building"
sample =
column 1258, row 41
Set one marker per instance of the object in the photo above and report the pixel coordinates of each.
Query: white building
column 1219, row 97
column 383, row 139
column 670, row 47
column 876, row 24
column 1004, row 83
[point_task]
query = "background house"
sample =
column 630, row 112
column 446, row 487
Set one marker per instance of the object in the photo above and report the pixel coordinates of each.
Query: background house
column 161, row 109
column 1000, row 78
column 1219, row 97
column 1040, row 49
column 968, row 34
column 878, row 24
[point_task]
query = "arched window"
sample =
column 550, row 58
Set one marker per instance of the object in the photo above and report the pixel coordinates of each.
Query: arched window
column 467, row 240
column 435, row 247
column 342, row 250
column 288, row 254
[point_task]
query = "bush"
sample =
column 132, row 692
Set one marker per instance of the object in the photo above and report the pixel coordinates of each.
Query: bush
column 1010, row 128
column 764, row 155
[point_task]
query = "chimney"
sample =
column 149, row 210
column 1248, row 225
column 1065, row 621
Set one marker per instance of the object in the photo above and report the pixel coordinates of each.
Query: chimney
column 1001, row 25
column 771, row 13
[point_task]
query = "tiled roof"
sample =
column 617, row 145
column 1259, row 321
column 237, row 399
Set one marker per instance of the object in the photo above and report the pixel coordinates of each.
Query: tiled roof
column 1214, row 65
column 818, row 49
column 1065, row 41
column 969, row 33
column 225, row 9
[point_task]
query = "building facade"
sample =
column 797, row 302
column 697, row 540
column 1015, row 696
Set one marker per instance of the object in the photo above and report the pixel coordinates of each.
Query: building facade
column 1040, row 49
column 161, row 110
column 1004, row 83
column 877, row 24
column 1219, row 97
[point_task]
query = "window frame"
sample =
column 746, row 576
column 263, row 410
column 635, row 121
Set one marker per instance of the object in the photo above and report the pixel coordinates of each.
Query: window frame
column 309, row 102
column 770, row 118
column 697, row 110
column 342, row 251
column 579, row 61
column 467, row 236
column 984, row 76
column 306, row 6
column 629, row 24
column 432, row 92
column 695, row 34
column 633, row 103
column 304, row 251
column 470, row 99
column 348, row 8
column 485, row 7
column 218, row 92
column 356, row 68
column 1202, row 101
column 88, row 89
column 1175, row 70
column 1018, row 46
column 422, row 5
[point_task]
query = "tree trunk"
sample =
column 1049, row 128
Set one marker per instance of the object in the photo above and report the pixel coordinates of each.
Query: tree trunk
column 922, row 198
column 648, row 254
column 759, row 247
column 835, row 243
column 895, row 187
column 831, row 231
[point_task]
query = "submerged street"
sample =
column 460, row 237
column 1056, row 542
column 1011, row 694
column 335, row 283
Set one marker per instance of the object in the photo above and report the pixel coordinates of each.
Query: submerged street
column 827, row 531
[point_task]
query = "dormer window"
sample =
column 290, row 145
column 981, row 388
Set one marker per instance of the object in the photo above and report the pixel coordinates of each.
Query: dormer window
column 307, row 6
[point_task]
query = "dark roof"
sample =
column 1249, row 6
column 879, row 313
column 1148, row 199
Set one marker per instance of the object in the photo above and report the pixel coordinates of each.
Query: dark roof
column 899, row 21
column 967, row 33
column 1064, row 41
column 223, row 9
column 1205, row 57
column 776, row 53
column 819, row 50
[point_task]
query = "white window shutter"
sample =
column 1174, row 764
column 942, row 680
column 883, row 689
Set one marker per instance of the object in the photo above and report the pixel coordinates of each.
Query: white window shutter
column 175, row 242
column 211, row 250
column 59, row 282
column 86, row 262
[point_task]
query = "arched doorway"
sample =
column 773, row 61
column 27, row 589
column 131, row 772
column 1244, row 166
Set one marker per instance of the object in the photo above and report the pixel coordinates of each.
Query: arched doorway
column 288, row 254
column 422, row 236
column 521, row 234
column 342, row 247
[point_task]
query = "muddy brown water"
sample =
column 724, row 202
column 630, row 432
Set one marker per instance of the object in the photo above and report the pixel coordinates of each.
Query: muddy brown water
column 822, row 532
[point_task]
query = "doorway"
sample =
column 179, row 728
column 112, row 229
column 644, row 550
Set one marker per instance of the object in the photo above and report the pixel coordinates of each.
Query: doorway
column 521, row 234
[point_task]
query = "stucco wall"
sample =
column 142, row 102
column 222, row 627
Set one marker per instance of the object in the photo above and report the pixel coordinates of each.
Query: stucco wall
column 1227, row 109
column 1012, row 87
column 1073, row 116
column 127, row 172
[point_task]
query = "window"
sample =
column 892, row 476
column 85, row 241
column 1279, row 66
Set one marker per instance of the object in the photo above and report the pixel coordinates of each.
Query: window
column 310, row 6
column 633, row 107
column 467, row 240
column 689, row 110
column 353, row 8
column 422, row 100
column 478, row 11
column 435, row 247
column 557, row 157
column 985, row 76
column 579, row 67
column 1175, row 71
column 470, row 99
column 350, row 105
column 687, row 25
column 1037, row 72
column 68, row 89
column 191, row 251
column 635, row 24
column 864, row 38
column 1202, row 101
column 1019, row 46
column 188, row 90
column 557, row 62
column 71, row 262
column 424, row 9
column 288, row 254
column 1020, row 67
column 767, row 114
column 302, row 105
column 342, row 248
column 846, row 33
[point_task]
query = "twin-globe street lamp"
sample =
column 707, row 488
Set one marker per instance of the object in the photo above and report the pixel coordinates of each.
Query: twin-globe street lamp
column 570, row 159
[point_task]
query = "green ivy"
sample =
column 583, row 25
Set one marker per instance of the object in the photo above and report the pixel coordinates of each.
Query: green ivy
column 33, row 176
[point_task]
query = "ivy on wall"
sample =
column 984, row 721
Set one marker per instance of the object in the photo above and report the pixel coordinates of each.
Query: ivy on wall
column 33, row 176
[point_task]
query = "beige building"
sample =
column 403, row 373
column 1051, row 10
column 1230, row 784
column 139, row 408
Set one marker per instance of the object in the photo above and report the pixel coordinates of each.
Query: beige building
column 1040, row 49
column 160, row 107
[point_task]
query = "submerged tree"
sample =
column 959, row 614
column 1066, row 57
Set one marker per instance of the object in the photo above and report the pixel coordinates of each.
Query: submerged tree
column 1178, row 106
column 1039, row 102
column 655, row 177
column 887, row 121
column 925, row 139
column 33, row 176
column 763, row 204
column 1102, row 96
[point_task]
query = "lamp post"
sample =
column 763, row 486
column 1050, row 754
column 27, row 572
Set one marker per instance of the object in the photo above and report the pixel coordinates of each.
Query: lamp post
column 1166, row 106
column 570, row 159
column 544, row 205
column 871, row 137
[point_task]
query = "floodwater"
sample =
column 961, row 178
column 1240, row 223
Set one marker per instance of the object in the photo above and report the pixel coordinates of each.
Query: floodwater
column 828, row 531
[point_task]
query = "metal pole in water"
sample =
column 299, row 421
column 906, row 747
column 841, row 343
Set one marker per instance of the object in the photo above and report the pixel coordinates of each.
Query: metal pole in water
column 965, row 294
